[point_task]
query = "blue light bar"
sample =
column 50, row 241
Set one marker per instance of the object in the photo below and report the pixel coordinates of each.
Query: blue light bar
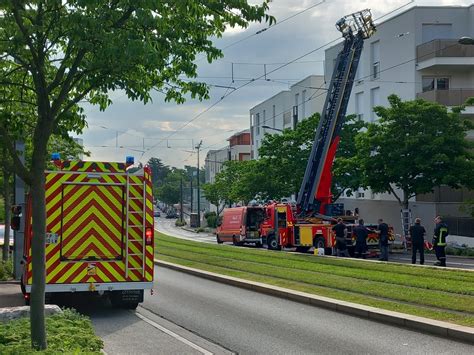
column 55, row 156
column 129, row 160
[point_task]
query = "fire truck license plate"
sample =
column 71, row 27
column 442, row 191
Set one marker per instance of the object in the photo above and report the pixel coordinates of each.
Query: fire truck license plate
column 132, row 295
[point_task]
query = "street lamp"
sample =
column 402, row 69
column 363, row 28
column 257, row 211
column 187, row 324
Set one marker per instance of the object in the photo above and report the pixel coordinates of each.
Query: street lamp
column 275, row 129
column 466, row 41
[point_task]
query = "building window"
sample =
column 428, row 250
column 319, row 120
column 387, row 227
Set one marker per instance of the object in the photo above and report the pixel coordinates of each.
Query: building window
column 303, row 105
column 432, row 83
column 264, row 119
column 257, row 123
column 286, row 118
column 374, row 101
column 431, row 31
column 375, row 52
column 359, row 105
column 274, row 115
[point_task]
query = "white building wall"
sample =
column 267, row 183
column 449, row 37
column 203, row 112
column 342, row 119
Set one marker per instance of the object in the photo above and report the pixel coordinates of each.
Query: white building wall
column 214, row 163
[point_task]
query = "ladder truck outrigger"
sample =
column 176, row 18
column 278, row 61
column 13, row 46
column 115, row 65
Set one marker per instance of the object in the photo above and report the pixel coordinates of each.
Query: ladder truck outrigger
column 310, row 223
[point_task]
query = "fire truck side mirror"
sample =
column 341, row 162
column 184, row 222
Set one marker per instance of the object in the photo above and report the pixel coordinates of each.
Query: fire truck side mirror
column 16, row 218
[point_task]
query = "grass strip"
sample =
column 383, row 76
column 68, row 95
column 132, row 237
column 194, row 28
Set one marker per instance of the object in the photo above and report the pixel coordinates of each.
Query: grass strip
column 391, row 269
column 68, row 332
column 455, row 318
column 448, row 295
column 411, row 295
column 429, row 283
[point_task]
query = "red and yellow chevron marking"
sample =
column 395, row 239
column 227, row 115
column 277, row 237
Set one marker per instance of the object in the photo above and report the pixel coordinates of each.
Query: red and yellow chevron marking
column 92, row 222
column 88, row 213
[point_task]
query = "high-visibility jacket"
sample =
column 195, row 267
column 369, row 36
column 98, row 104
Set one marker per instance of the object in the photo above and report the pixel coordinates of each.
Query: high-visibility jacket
column 440, row 233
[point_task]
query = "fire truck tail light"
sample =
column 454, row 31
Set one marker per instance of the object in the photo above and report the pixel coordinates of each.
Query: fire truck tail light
column 148, row 236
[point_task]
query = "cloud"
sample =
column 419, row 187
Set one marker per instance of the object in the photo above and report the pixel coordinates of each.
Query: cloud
column 131, row 124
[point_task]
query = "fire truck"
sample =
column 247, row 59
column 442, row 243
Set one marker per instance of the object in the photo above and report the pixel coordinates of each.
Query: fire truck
column 309, row 223
column 99, row 231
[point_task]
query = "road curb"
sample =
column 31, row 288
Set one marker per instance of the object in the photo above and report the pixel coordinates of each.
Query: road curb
column 420, row 324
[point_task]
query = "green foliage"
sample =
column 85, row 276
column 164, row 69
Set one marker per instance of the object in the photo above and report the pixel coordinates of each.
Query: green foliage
column 2, row 207
column 282, row 162
column 6, row 269
column 180, row 223
column 68, row 332
column 404, row 288
column 468, row 207
column 211, row 219
column 159, row 171
column 415, row 146
column 200, row 230
column 460, row 251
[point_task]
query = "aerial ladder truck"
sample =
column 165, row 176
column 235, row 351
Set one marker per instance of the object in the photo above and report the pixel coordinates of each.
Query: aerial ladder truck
column 310, row 224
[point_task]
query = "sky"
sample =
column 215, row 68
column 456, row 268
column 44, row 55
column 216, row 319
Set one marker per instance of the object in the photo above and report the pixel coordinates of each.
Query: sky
column 170, row 132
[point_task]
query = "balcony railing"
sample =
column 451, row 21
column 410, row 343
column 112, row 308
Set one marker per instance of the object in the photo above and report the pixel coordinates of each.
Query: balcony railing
column 443, row 48
column 451, row 97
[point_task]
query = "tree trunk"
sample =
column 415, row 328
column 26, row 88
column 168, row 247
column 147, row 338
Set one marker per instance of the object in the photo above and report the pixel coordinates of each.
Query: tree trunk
column 38, row 330
column 405, row 200
column 7, row 197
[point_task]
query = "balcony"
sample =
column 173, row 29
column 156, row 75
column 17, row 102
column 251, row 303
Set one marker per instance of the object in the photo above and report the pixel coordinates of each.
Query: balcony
column 444, row 52
column 451, row 97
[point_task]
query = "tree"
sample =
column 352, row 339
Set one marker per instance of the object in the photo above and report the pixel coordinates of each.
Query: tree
column 415, row 146
column 60, row 53
column 284, row 158
column 159, row 171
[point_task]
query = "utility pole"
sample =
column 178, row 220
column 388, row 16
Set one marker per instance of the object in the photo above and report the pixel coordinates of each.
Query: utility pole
column 181, row 201
column 198, row 147
column 192, row 192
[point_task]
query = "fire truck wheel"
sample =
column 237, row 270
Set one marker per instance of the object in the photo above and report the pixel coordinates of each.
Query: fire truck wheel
column 219, row 241
column 272, row 243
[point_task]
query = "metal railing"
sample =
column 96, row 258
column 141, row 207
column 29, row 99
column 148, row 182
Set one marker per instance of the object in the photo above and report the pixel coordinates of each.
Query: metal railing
column 450, row 97
column 463, row 226
column 443, row 48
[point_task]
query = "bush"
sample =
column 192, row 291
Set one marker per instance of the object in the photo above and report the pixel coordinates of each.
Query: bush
column 211, row 219
column 180, row 223
column 67, row 332
column 200, row 229
column 6, row 269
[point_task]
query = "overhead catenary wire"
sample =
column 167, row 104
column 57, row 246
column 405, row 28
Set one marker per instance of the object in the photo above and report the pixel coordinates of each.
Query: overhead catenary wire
column 261, row 76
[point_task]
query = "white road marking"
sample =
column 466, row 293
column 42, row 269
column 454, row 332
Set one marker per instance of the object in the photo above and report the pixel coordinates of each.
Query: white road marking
column 173, row 334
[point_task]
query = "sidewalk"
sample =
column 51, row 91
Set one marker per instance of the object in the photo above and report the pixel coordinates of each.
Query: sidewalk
column 10, row 295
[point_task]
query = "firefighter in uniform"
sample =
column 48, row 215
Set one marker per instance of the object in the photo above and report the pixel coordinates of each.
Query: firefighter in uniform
column 439, row 241
column 361, row 233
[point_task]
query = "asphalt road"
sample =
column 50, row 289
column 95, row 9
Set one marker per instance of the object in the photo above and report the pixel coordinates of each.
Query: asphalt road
column 167, row 226
column 251, row 323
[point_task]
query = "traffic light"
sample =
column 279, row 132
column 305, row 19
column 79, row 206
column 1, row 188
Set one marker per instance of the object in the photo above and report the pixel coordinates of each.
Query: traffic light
column 16, row 217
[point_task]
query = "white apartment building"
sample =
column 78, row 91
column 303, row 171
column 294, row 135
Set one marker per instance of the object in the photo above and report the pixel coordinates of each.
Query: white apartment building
column 285, row 109
column 414, row 54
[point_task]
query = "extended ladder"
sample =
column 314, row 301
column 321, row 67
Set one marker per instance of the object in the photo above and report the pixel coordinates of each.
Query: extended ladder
column 405, row 215
column 315, row 190
column 138, row 218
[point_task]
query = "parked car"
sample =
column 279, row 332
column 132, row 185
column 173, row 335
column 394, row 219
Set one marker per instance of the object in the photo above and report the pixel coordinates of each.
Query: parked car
column 171, row 214
column 156, row 213
column 2, row 234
